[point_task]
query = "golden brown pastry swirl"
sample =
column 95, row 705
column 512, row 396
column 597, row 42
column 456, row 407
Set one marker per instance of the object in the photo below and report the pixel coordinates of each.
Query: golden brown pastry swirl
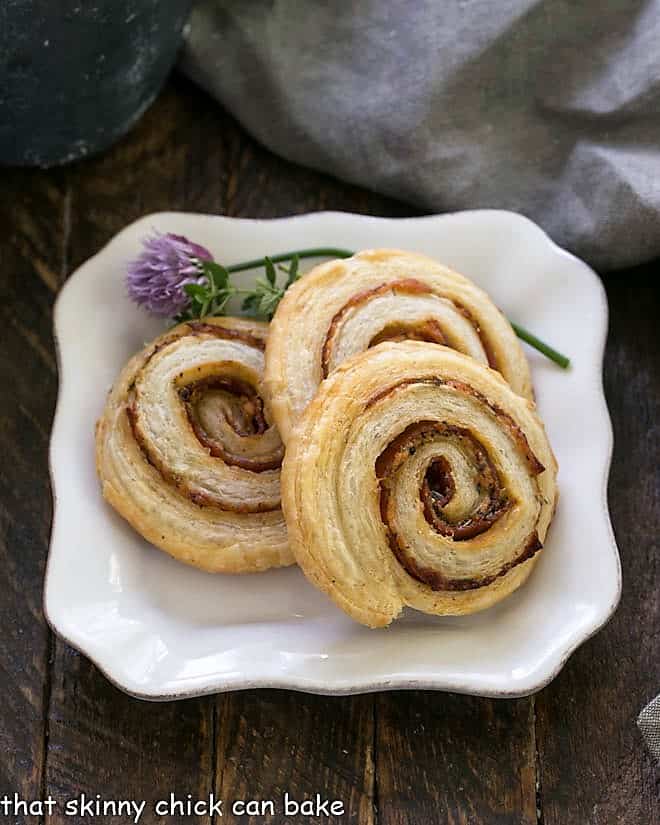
column 186, row 452
column 417, row 477
column 341, row 308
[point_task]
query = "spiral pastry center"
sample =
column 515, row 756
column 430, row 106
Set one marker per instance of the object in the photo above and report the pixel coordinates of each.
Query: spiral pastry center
column 461, row 491
column 442, row 473
column 199, row 419
column 419, row 478
column 227, row 416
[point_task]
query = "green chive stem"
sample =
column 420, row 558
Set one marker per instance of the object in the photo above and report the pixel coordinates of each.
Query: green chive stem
column 541, row 346
column 320, row 252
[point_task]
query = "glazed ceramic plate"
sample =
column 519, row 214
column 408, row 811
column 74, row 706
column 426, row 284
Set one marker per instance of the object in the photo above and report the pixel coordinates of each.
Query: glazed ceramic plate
column 161, row 630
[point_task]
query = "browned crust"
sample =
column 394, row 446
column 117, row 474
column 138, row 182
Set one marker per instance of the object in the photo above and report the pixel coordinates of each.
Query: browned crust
column 497, row 503
column 199, row 498
column 534, row 465
column 394, row 455
column 199, row 327
column 254, row 406
column 407, row 443
column 409, row 285
column 429, row 331
column 485, row 343
column 437, row 582
column 206, row 538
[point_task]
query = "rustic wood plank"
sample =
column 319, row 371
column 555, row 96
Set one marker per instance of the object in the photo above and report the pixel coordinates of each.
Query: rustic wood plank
column 276, row 742
column 32, row 214
column 104, row 742
column 454, row 759
column 594, row 767
column 101, row 741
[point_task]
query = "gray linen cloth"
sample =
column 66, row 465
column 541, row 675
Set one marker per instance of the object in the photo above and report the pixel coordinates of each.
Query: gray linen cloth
column 546, row 107
column 648, row 723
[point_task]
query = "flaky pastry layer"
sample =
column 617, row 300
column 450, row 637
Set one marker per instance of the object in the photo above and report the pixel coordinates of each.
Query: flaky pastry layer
column 186, row 453
column 344, row 307
column 417, row 476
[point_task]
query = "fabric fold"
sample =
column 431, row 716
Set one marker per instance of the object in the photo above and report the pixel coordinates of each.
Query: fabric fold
column 457, row 106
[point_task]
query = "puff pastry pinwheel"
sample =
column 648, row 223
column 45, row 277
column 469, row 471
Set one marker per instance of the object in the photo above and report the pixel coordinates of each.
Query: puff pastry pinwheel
column 186, row 453
column 343, row 307
column 416, row 476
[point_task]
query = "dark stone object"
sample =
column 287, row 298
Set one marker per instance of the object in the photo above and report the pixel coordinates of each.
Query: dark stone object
column 75, row 76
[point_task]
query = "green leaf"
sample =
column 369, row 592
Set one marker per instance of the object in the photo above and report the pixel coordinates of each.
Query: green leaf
column 217, row 275
column 270, row 271
column 293, row 272
column 250, row 301
column 196, row 291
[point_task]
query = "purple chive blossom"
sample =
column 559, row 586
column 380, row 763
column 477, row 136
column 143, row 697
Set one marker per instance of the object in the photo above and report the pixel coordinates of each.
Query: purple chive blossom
column 156, row 277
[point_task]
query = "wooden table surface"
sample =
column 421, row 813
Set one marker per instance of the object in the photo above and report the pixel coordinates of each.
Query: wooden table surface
column 571, row 755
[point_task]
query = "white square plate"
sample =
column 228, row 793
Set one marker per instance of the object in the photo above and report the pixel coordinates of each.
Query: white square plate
column 161, row 630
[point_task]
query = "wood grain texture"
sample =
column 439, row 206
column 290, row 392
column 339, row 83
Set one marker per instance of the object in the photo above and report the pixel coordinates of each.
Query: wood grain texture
column 32, row 214
column 103, row 742
column 99, row 740
column 276, row 742
column 394, row 758
column 455, row 759
column 595, row 769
